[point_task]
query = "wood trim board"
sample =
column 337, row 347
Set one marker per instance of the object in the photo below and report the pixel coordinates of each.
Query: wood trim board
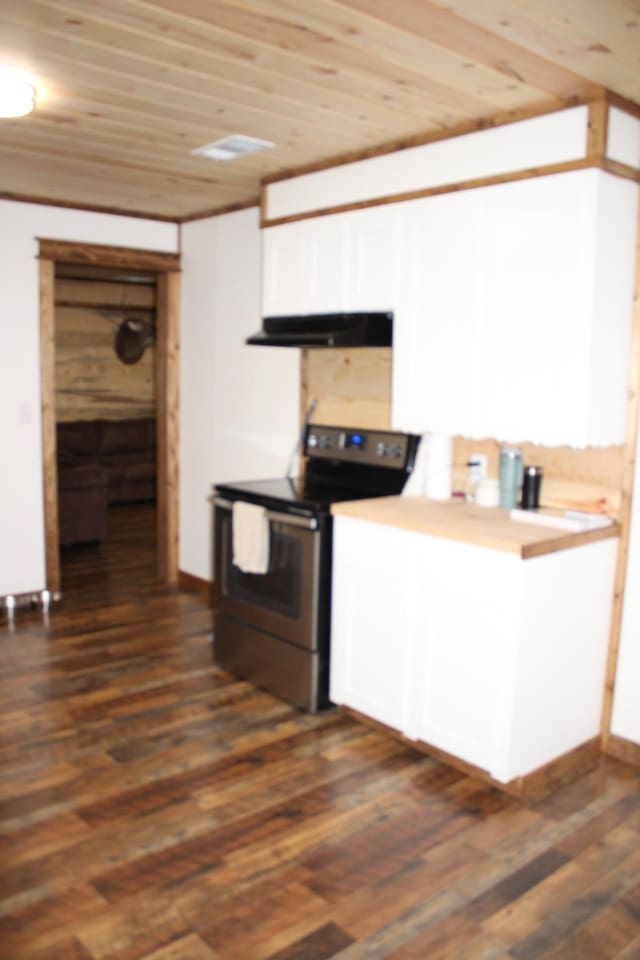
column 595, row 156
column 166, row 267
column 96, row 254
column 597, row 129
column 531, row 787
column 16, row 197
column 624, row 750
column 204, row 588
column 167, row 420
column 628, row 475
column 47, row 380
column 497, row 119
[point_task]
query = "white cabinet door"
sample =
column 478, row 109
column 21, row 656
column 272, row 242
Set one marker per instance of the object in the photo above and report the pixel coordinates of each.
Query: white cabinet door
column 555, row 250
column 376, row 263
column 516, row 318
column 345, row 261
column 424, row 633
column 373, row 632
column 469, row 621
column 495, row 660
column 437, row 357
column 305, row 267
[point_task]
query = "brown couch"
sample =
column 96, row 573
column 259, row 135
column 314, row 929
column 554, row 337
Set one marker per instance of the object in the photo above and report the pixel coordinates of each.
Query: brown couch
column 102, row 462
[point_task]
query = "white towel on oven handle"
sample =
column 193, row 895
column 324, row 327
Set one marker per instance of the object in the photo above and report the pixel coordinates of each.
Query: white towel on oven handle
column 250, row 537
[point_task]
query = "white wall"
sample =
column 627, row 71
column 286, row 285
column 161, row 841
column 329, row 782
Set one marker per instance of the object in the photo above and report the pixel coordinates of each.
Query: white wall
column 22, row 556
column 239, row 405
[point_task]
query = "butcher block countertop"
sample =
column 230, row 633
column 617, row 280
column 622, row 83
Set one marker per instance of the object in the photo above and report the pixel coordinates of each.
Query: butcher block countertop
column 470, row 523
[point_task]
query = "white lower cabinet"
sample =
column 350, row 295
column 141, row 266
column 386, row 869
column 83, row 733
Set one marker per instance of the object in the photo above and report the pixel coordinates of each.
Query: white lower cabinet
column 496, row 660
column 374, row 604
column 463, row 648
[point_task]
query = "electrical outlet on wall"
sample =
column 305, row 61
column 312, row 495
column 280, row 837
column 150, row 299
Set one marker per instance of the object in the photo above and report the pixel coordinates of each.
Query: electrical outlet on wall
column 479, row 469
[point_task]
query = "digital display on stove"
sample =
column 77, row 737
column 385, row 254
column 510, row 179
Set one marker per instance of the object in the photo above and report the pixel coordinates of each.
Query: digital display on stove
column 356, row 440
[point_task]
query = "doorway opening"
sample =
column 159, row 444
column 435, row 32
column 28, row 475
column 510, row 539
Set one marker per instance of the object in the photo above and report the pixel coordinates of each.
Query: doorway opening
column 119, row 412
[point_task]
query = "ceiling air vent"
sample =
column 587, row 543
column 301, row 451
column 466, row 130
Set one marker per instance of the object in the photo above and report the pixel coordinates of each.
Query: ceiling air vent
column 230, row 148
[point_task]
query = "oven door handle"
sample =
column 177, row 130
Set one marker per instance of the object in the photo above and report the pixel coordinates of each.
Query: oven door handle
column 291, row 519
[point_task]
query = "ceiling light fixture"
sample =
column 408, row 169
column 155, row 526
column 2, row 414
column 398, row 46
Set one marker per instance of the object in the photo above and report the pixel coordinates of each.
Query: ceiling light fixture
column 17, row 93
column 230, row 148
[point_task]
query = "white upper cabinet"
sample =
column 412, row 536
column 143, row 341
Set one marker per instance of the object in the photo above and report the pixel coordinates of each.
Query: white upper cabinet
column 438, row 314
column 375, row 268
column 516, row 317
column 345, row 261
column 305, row 267
column 512, row 303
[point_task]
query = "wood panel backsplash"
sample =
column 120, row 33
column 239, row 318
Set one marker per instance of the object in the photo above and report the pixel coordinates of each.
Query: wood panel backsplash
column 589, row 478
column 91, row 382
column 353, row 387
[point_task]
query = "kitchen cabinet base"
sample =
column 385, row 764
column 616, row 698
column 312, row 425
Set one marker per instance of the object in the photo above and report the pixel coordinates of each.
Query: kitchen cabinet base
column 622, row 749
column 532, row 787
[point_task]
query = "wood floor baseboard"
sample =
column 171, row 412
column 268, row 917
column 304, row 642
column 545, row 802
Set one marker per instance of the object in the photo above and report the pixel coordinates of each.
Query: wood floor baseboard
column 625, row 750
column 571, row 765
column 204, row 588
column 530, row 787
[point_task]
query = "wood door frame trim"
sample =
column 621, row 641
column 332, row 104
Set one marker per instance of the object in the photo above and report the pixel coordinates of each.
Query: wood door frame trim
column 99, row 255
column 166, row 267
column 48, row 413
column 626, row 506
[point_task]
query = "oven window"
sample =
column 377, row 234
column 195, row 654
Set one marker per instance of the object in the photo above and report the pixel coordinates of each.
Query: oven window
column 279, row 589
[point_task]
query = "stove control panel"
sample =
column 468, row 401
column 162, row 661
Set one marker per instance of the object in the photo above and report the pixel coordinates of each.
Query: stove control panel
column 369, row 447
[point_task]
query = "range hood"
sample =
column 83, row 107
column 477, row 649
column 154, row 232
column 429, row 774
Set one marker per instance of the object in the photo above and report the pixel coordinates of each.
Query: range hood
column 373, row 329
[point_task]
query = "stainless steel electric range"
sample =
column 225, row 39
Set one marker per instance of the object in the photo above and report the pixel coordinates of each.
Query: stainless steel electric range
column 273, row 628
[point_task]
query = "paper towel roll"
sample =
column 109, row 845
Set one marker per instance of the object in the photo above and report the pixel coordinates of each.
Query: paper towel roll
column 438, row 466
column 432, row 471
column 414, row 487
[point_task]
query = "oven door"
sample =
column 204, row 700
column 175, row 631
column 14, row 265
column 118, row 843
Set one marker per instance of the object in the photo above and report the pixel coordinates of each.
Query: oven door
column 283, row 601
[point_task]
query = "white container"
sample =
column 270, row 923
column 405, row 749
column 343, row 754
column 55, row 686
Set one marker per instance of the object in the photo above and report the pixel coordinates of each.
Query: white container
column 488, row 492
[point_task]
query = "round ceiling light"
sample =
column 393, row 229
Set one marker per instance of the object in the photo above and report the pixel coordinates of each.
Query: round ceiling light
column 17, row 93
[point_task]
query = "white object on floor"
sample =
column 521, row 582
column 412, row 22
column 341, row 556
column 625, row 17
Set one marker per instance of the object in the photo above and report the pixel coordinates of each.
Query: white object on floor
column 250, row 537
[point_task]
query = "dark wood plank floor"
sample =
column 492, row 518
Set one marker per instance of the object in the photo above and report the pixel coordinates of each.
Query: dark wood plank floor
column 154, row 807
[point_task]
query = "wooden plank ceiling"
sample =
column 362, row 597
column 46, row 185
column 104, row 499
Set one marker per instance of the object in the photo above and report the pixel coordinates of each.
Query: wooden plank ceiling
column 128, row 88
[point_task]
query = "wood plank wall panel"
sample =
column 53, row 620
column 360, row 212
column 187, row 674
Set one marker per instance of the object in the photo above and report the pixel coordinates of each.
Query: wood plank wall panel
column 588, row 478
column 579, row 36
column 352, row 387
column 91, row 382
column 130, row 89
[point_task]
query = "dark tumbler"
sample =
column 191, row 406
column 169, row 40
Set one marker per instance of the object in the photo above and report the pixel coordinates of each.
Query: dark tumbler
column 531, row 488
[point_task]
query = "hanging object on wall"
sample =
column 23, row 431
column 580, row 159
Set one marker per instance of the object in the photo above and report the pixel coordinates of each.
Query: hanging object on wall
column 132, row 339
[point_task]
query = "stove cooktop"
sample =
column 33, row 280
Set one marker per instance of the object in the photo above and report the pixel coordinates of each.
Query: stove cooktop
column 290, row 493
column 341, row 464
